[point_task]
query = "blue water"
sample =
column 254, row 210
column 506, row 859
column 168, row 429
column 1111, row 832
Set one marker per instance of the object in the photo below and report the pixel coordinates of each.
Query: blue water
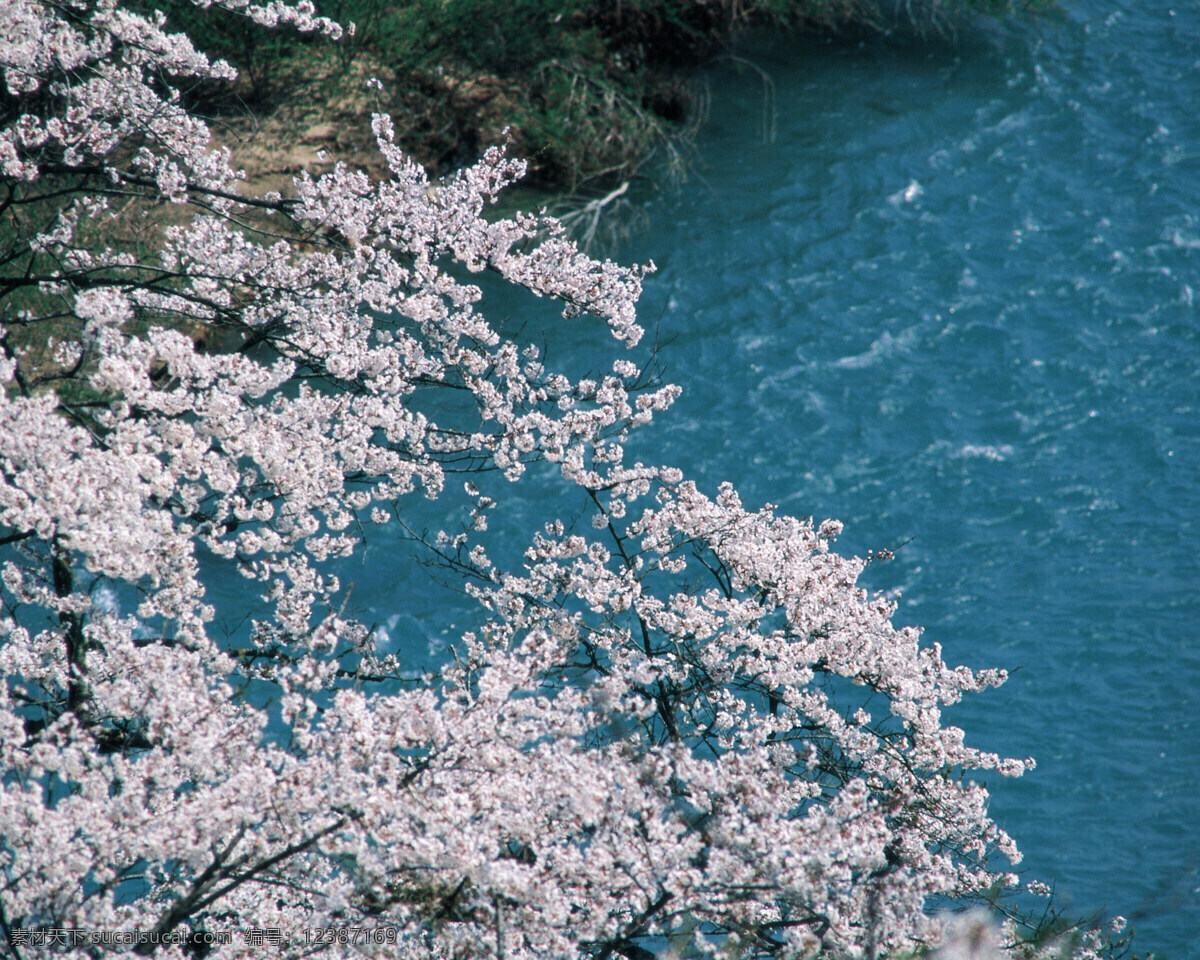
column 952, row 301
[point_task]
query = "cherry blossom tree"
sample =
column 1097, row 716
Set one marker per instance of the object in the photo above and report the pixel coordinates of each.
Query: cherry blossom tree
column 685, row 729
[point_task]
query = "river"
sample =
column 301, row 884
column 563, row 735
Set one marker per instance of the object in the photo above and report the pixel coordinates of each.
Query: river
column 944, row 291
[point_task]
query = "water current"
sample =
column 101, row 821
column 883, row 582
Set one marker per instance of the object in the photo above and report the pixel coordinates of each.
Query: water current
column 945, row 292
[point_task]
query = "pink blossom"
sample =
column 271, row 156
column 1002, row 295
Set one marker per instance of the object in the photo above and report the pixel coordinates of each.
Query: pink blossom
column 685, row 722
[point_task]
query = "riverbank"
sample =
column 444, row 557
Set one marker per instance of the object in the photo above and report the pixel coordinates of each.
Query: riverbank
column 589, row 91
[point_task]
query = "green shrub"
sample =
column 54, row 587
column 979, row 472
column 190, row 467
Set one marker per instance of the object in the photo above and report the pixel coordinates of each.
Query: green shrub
column 588, row 86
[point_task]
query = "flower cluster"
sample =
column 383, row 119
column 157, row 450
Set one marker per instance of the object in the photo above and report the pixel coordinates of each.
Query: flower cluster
column 686, row 729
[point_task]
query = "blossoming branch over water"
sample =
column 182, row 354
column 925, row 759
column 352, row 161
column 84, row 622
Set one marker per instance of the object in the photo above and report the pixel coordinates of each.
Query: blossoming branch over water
column 686, row 722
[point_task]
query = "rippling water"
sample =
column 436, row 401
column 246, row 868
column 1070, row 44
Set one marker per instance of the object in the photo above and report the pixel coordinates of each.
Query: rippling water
column 952, row 300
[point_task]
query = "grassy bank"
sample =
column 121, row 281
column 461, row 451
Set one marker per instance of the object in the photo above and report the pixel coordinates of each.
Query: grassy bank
column 588, row 89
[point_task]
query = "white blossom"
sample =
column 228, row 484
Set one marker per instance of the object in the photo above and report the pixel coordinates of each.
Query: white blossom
column 686, row 724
